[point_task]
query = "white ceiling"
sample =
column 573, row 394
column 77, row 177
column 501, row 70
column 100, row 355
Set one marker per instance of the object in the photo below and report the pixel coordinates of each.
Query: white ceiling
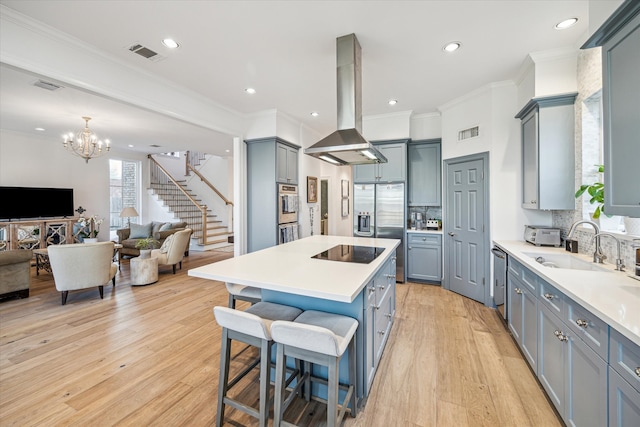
column 286, row 51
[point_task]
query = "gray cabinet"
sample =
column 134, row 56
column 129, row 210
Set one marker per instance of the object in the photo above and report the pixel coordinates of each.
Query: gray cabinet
column 619, row 37
column 424, row 257
column 572, row 374
column 548, row 152
column 624, row 402
column 264, row 171
column 523, row 311
column 395, row 170
column 380, row 305
column 425, row 173
column 286, row 164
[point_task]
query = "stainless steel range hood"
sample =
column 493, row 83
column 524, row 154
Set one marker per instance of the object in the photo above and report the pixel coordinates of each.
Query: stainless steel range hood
column 347, row 146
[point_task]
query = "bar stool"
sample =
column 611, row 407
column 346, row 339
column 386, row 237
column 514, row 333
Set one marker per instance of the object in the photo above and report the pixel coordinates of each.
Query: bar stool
column 321, row 338
column 242, row 293
column 252, row 327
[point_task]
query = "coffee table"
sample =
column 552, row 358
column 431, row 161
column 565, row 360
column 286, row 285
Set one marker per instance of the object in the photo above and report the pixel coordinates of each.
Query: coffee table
column 144, row 271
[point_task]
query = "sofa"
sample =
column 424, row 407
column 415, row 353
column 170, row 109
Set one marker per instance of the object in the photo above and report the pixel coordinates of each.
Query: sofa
column 15, row 273
column 128, row 237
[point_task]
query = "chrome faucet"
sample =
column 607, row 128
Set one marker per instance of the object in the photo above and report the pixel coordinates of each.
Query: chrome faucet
column 619, row 262
column 598, row 255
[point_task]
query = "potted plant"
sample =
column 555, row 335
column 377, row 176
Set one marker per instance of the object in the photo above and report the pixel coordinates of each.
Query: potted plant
column 146, row 245
column 596, row 191
column 90, row 228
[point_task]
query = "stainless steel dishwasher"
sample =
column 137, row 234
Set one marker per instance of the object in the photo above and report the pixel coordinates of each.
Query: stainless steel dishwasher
column 500, row 261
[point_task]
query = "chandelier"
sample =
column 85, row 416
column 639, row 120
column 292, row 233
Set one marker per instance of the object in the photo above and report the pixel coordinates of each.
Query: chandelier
column 85, row 143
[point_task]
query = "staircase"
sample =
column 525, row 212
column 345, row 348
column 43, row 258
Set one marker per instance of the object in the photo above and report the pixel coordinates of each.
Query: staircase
column 208, row 231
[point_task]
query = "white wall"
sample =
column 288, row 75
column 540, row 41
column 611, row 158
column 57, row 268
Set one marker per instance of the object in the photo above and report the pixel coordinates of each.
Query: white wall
column 39, row 162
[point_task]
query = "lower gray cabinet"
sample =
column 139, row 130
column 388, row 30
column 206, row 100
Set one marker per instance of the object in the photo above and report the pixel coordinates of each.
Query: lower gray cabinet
column 379, row 310
column 523, row 309
column 624, row 402
column 572, row 374
column 424, row 256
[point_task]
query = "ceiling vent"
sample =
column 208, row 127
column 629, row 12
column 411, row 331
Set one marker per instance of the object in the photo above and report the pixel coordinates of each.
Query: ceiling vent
column 469, row 133
column 145, row 52
column 155, row 145
column 47, row 85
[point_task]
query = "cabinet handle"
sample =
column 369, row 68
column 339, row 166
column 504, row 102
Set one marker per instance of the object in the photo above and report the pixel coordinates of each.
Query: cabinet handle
column 533, row 201
column 371, row 289
column 560, row 335
column 409, row 248
column 389, row 316
column 548, row 296
column 638, row 371
column 424, row 239
column 381, row 332
column 518, row 291
column 582, row 322
column 381, row 287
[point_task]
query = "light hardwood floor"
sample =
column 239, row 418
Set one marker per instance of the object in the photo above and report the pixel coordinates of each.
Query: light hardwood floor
column 149, row 355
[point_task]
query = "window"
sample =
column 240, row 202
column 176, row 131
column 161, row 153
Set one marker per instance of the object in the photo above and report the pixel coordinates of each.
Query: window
column 592, row 149
column 124, row 191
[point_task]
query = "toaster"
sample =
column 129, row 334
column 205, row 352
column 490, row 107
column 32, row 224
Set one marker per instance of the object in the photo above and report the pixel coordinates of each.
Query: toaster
column 433, row 224
column 542, row 236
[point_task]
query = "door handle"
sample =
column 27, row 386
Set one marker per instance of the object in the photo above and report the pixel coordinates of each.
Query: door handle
column 451, row 233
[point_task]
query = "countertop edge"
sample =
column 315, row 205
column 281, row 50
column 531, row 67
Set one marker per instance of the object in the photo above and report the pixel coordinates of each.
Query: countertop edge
column 588, row 303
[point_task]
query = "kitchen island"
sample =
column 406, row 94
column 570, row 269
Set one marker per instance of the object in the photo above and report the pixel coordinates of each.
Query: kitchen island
column 289, row 274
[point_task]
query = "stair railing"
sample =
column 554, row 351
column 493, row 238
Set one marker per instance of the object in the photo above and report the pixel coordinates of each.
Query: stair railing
column 159, row 175
column 193, row 159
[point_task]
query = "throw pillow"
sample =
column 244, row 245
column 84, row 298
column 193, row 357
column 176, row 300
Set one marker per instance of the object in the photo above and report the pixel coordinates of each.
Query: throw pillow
column 166, row 226
column 167, row 244
column 140, row 231
column 155, row 229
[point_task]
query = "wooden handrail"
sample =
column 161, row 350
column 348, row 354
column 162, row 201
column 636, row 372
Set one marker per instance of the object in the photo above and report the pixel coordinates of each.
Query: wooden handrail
column 210, row 185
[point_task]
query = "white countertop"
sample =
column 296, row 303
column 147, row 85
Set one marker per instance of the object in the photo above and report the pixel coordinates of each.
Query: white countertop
column 409, row 230
column 611, row 295
column 289, row 268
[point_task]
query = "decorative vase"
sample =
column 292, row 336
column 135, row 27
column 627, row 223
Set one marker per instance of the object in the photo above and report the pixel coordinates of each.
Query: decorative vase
column 632, row 226
column 90, row 240
column 145, row 253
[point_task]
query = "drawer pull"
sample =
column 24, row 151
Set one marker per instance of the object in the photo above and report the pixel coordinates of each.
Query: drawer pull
column 371, row 289
column 638, row 371
column 381, row 287
column 518, row 291
column 549, row 296
column 389, row 316
column 560, row 335
column 381, row 332
column 583, row 323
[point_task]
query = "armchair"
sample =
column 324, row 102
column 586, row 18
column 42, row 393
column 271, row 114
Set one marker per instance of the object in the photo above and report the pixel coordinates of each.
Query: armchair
column 15, row 273
column 81, row 266
column 173, row 249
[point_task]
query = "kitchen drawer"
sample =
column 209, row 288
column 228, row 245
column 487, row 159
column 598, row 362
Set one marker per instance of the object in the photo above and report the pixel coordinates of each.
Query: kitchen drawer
column 525, row 275
column 424, row 239
column 625, row 358
column 515, row 267
column 383, row 286
column 592, row 330
column 551, row 297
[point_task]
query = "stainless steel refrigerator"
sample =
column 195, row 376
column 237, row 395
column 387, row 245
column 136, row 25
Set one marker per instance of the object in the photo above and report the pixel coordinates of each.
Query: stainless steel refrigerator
column 378, row 211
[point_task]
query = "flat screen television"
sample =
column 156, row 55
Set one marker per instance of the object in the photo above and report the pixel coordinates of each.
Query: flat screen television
column 32, row 202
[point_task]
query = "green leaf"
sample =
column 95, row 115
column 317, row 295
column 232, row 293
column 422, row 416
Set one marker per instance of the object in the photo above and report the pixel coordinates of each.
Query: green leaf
column 596, row 214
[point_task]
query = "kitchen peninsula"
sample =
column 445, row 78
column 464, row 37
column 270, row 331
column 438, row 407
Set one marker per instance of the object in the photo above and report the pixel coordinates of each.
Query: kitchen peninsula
column 291, row 274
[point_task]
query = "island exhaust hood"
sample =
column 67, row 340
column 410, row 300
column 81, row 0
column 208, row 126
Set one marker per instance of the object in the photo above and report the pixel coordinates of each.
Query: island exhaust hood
column 347, row 146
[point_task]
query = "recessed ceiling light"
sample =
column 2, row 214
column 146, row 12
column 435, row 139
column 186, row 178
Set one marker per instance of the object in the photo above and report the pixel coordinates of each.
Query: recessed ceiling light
column 130, row 145
column 566, row 23
column 315, row 114
column 170, row 43
column 227, row 151
column 452, row 47
column 40, row 129
column 393, row 101
column 250, row 90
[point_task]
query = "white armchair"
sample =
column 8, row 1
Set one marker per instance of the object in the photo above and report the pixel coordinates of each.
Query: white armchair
column 82, row 266
column 173, row 249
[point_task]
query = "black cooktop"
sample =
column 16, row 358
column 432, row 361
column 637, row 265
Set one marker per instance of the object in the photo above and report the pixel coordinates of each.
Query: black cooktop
column 350, row 253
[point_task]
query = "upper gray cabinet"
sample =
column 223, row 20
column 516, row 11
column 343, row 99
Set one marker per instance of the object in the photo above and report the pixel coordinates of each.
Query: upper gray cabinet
column 286, row 164
column 619, row 37
column 393, row 171
column 548, row 159
column 425, row 175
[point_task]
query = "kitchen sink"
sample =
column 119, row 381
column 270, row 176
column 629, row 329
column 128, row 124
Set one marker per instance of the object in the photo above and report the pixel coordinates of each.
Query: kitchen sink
column 564, row 261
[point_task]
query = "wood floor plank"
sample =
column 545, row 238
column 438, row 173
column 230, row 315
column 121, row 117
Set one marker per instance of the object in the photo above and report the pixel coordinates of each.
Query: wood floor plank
column 149, row 355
